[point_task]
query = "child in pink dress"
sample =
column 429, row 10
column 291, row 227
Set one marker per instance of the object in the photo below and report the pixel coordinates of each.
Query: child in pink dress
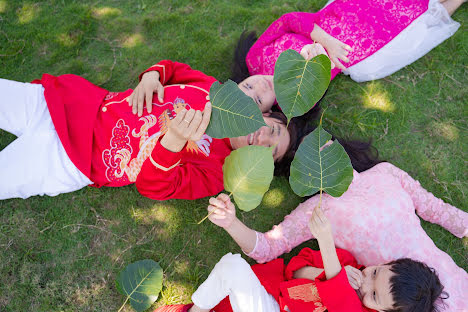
column 374, row 37
column 374, row 219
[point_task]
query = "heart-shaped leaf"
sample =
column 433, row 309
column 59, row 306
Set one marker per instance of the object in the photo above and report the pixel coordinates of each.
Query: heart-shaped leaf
column 300, row 83
column 141, row 283
column 247, row 174
column 315, row 168
column 234, row 114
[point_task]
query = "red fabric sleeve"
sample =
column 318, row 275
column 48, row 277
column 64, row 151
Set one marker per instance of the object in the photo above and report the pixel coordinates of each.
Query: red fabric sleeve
column 178, row 73
column 185, row 180
column 338, row 295
column 313, row 258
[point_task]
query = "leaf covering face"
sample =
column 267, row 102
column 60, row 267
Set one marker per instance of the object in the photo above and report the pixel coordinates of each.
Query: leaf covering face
column 233, row 113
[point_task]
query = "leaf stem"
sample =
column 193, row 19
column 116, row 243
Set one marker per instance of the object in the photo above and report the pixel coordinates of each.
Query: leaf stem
column 199, row 222
column 123, row 305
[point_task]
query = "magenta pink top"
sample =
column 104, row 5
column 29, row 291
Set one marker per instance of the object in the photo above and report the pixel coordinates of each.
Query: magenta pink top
column 365, row 25
column 375, row 220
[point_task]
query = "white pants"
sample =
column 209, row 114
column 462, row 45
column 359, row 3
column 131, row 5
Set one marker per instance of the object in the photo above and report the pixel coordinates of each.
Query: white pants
column 232, row 276
column 36, row 162
column 421, row 36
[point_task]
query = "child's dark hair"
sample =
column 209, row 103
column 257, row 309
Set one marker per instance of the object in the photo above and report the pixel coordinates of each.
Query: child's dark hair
column 239, row 70
column 414, row 287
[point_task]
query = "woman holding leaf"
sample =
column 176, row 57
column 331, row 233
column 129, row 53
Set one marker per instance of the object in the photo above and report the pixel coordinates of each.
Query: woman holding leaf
column 72, row 133
column 374, row 219
column 373, row 38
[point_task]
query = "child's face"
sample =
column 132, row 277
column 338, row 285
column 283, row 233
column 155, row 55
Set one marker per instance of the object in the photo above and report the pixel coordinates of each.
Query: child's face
column 375, row 288
column 260, row 89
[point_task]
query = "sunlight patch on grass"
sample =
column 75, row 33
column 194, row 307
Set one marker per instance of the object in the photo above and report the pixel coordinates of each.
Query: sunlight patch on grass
column 375, row 98
column 3, row 6
column 174, row 293
column 106, row 12
column 445, row 129
column 133, row 40
column 82, row 295
column 67, row 40
column 159, row 213
column 273, row 198
column 27, row 13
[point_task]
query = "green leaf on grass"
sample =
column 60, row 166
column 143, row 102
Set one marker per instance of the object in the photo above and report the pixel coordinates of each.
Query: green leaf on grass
column 300, row 83
column 247, row 174
column 141, row 283
column 234, row 114
column 313, row 169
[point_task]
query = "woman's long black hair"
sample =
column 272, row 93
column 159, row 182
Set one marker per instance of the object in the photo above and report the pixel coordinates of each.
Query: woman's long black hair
column 362, row 154
column 239, row 68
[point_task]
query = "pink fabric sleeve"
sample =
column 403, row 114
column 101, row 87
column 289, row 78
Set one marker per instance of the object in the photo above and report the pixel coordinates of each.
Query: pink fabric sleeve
column 293, row 231
column 300, row 23
column 429, row 207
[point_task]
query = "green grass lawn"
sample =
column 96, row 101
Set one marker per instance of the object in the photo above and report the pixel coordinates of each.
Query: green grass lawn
column 63, row 253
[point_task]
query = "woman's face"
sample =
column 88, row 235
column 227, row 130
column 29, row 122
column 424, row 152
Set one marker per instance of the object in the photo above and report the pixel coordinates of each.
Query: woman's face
column 275, row 134
column 260, row 89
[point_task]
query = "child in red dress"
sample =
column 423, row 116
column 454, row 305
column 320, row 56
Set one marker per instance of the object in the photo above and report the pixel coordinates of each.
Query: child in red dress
column 316, row 281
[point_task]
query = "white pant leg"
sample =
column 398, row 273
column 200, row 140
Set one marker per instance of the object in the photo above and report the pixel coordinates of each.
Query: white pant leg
column 233, row 276
column 36, row 162
column 20, row 108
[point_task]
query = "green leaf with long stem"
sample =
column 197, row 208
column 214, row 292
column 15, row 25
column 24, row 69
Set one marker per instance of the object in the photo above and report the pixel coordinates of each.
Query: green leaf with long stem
column 300, row 83
column 141, row 283
column 319, row 167
column 234, row 114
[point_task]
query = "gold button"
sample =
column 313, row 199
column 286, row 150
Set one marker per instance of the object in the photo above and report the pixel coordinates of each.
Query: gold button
column 207, row 97
column 182, row 87
column 104, row 109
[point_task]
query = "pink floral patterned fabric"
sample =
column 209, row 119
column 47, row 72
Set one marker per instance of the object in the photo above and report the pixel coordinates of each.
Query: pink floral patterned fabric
column 365, row 25
column 376, row 221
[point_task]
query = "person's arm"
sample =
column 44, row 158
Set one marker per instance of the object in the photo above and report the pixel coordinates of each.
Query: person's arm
column 264, row 247
column 223, row 213
column 308, row 272
column 321, row 228
column 161, row 74
column 336, row 49
column 165, row 175
column 429, row 207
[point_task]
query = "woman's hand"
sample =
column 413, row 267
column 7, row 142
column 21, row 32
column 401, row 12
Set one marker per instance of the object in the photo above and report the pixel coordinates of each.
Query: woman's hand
column 222, row 211
column 337, row 51
column 354, row 276
column 148, row 85
column 187, row 125
column 310, row 51
column 320, row 227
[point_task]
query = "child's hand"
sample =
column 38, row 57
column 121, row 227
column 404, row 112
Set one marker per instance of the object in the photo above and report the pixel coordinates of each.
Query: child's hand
column 354, row 276
column 222, row 210
column 309, row 51
column 319, row 226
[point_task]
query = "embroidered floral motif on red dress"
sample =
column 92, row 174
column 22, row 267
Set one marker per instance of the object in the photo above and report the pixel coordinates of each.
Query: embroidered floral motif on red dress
column 307, row 293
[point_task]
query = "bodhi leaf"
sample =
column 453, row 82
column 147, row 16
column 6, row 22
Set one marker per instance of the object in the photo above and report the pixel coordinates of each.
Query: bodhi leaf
column 314, row 169
column 141, row 283
column 234, row 114
column 300, row 83
column 247, row 174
